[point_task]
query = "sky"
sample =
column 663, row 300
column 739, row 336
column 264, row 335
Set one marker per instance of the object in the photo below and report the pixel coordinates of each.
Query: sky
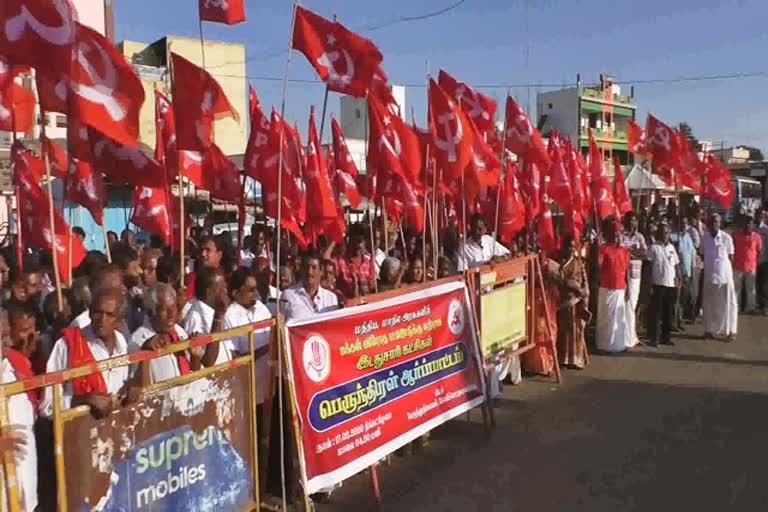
column 543, row 43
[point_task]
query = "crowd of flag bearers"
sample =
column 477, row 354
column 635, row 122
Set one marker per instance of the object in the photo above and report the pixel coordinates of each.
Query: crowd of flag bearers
column 438, row 201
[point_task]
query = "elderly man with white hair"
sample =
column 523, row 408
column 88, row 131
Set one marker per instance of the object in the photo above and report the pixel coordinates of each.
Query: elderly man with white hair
column 719, row 305
column 160, row 330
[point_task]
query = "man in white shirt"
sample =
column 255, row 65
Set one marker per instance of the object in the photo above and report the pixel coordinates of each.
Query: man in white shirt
column 160, row 330
column 633, row 240
column 246, row 308
column 205, row 314
column 664, row 267
column 720, row 310
column 257, row 248
column 19, row 442
column 307, row 298
column 481, row 247
column 98, row 341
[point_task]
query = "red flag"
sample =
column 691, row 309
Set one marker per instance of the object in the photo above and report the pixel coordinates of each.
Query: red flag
column 600, row 185
column 85, row 187
column 57, row 157
column 545, row 230
column 106, row 93
column 663, row 145
column 381, row 89
column 29, row 169
column 531, row 190
column 151, row 211
column 391, row 143
column 37, row 33
column 293, row 200
column 124, row 164
column 321, row 204
column 559, row 181
column 52, row 90
column 512, row 208
column 229, row 12
column 394, row 146
column 636, row 139
column 718, row 185
column 17, row 103
column 620, row 195
column 221, row 176
column 345, row 61
column 451, row 132
column 575, row 176
column 257, row 147
column 480, row 108
column 35, row 209
column 522, row 137
column 198, row 100
column 166, row 152
column 346, row 170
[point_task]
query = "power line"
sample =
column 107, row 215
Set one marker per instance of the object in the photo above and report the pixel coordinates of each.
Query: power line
column 367, row 28
column 647, row 81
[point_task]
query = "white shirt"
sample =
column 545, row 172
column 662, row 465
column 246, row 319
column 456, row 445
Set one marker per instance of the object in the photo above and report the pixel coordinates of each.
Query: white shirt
column 82, row 320
column 378, row 259
column 272, row 301
column 635, row 242
column 161, row 368
column 716, row 251
column 21, row 413
column 199, row 321
column 248, row 258
column 296, row 304
column 237, row 316
column 664, row 262
column 115, row 379
column 475, row 254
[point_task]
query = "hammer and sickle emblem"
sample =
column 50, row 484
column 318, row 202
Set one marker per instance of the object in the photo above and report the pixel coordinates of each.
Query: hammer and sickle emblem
column 521, row 130
column 328, row 61
column 60, row 36
column 103, row 88
column 661, row 137
column 452, row 138
column 471, row 99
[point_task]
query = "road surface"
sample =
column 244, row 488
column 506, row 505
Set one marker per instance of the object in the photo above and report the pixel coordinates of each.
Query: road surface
column 674, row 428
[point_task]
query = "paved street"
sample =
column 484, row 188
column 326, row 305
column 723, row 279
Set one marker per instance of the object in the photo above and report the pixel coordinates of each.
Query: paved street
column 675, row 428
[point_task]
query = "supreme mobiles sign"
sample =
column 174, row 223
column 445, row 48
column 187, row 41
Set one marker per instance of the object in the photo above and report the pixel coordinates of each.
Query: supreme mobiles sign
column 373, row 378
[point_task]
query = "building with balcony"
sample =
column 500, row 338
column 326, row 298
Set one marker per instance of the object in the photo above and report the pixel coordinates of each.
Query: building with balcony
column 602, row 108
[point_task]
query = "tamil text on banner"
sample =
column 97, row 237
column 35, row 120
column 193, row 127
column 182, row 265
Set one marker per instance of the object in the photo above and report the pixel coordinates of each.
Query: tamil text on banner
column 372, row 378
column 503, row 317
column 184, row 448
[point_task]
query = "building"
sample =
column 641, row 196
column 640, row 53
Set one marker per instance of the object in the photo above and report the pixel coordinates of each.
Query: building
column 602, row 108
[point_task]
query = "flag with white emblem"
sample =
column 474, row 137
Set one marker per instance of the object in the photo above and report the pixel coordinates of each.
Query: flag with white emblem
column 229, row 12
column 345, row 61
column 452, row 134
column 85, row 187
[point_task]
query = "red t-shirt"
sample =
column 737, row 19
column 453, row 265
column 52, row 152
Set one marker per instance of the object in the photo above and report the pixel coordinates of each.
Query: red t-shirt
column 746, row 250
column 614, row 261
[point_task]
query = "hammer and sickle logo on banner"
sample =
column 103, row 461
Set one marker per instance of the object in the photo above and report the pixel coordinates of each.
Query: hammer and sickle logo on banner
column 521, row 130
column 661, row 137
column 455, row 317
column 329, row 59
column 452, row 138
column 60, row 36
column 103, row 88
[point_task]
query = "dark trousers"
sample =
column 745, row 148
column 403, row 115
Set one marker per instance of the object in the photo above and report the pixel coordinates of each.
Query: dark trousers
column 662, row 313
column 762, row 286
column 687, row 300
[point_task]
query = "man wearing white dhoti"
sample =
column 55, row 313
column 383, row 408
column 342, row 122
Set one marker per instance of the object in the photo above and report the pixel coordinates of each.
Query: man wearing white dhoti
column 720, row 309
column 633, row 240
column 613, row 333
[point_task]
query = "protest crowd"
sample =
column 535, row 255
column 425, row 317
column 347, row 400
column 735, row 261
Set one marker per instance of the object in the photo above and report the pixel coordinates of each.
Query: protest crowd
column 616, row 271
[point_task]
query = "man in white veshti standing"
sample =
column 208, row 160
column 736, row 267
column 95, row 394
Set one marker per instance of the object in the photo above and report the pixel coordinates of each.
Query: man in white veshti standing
column 720, row 309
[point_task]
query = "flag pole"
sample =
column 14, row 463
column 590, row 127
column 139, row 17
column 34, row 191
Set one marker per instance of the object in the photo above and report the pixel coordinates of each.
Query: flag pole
column 106, row 241
column 51, row 218
column 280, row 334
column 182, row 238
column 502, row 173
column 17, row 193
column 202, row 41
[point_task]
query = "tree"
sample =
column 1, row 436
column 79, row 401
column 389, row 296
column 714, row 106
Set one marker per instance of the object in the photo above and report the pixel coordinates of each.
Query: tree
column 755, row 154
column 687, row 132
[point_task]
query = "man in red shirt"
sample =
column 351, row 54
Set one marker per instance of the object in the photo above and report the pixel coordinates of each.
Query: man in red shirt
column 613, row 334
column 747, row 246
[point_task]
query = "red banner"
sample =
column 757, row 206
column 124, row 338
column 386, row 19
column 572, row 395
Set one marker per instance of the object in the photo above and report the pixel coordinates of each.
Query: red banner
column 372, row 378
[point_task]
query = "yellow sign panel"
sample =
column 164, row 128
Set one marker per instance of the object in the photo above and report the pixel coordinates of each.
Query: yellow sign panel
column 502, row 318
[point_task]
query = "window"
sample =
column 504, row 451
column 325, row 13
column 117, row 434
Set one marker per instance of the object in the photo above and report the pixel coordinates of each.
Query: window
column 549, row 106
column 61, row 121
column 593, row 120
column 358, row 114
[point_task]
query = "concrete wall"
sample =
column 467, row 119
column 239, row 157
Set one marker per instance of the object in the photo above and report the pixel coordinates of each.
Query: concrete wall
column 562, row 111
column 353, row 116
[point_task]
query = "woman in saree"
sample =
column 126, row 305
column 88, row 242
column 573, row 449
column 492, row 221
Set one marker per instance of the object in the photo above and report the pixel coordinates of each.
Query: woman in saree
column 572, row 310
column 541, row 359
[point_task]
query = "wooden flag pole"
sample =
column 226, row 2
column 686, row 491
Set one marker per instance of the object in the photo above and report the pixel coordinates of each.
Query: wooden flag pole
column 56, row 272
column 17, row 194
column 501, row 174
column 322, row 117
column 182, row 233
